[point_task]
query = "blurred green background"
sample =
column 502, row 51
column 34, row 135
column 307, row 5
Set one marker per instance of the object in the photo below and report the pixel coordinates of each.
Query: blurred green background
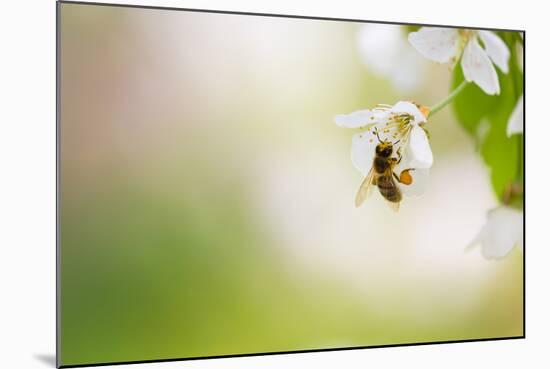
column 207, row 197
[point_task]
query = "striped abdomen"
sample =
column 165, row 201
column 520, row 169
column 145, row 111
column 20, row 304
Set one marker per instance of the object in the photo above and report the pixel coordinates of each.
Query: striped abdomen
column 388, row 188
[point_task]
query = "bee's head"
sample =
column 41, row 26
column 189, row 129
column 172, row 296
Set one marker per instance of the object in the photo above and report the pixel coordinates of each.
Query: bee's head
column 384, row 149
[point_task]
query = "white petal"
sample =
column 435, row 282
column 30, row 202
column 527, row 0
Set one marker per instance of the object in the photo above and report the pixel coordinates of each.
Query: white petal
column 503, row 231
column 409, row 108
column 381, row 115
column 437, row 44
column 418, row 152
column 496, row 49
column 477, row 67
column 362, row 151
column 515, row 122
column 356, row 119
column 419, row 183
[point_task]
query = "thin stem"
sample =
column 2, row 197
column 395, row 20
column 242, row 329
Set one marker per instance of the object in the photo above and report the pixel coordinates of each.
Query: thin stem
column 440, row 105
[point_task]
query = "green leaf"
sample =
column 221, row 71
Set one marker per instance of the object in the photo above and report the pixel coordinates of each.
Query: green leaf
column 472, row 105
column 502, row 154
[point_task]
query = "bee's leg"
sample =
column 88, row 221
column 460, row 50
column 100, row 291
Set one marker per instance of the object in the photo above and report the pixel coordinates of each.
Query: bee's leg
column 396, row 177
column 399, row 156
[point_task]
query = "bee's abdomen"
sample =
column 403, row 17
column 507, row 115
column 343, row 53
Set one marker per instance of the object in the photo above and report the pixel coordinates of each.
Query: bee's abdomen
column 388, row 189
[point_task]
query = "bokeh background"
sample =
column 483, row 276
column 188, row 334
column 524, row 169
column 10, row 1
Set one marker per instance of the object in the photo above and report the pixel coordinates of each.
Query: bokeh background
column 207, row 196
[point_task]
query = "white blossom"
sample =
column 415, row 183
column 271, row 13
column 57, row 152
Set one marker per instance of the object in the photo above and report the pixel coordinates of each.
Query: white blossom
column 385, row 51
column 401, row 124
column 501, row 233
column 515, row 122
column 446, row 45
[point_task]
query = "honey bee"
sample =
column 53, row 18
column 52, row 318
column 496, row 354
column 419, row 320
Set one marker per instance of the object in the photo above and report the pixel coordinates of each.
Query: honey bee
column 383, row 176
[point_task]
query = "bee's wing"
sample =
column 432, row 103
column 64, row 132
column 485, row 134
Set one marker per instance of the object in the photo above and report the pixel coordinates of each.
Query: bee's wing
column 365, row 189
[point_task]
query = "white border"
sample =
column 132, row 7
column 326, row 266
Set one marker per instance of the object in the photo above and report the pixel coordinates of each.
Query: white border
column 27, row 188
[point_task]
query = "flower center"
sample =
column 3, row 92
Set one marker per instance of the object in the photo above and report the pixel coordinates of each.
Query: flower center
column 396, row 128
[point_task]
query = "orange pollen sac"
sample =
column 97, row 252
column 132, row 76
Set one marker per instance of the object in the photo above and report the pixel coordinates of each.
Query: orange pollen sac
column 424, row 110
column 405, row 177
